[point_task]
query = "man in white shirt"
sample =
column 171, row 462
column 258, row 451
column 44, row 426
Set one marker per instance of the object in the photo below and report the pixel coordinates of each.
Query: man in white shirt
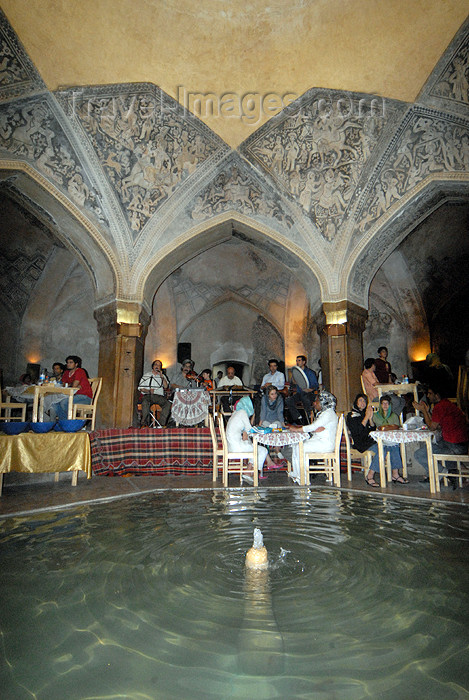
column 227, row 383
column 273, row 377
column 152, row 387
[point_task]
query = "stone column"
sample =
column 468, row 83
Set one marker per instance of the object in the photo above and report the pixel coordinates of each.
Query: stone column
column 122, row 330
column 341, row 327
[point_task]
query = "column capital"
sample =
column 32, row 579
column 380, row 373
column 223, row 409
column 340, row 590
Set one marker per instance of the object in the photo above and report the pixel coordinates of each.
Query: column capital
column 342, row 318
column 122, row 318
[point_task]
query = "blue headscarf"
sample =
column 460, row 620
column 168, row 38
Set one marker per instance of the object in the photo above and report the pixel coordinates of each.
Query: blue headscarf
column 245, row 404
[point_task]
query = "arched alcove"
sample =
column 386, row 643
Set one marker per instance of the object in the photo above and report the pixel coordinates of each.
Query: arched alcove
column 243, row 297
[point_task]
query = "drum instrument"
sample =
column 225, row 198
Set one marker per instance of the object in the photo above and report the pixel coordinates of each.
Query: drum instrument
column 299, row 378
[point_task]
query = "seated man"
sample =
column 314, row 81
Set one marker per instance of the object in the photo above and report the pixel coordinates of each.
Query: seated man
column 74, row 376
column 307, row 396
column 152, row 386
column 227, row 383
column 273, row 377
column 185, row 378
column 448, row 418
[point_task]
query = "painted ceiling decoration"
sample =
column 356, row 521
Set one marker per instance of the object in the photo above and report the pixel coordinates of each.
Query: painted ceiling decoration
column 327, row 172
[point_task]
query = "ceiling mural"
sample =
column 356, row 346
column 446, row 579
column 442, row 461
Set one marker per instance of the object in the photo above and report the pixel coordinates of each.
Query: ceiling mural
column 318, row 152
column 18, row 76
column 426, row 142
column 30, row 131
column 324, row 172
column 145, row 142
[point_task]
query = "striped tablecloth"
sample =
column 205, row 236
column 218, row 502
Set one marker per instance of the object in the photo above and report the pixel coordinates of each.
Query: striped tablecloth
column 182, row 451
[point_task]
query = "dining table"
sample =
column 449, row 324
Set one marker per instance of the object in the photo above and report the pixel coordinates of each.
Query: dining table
column 282, row 438
column 398, row 389
column 403, row 437
column 38, row 393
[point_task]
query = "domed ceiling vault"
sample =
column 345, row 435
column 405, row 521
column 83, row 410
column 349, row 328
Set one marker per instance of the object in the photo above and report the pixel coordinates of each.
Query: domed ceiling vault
column 323, row 175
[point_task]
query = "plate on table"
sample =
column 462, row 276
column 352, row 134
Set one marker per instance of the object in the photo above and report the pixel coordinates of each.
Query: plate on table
column 299, row 378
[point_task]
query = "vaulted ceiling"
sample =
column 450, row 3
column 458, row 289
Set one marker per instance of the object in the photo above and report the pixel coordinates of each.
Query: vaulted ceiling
column 265, row 47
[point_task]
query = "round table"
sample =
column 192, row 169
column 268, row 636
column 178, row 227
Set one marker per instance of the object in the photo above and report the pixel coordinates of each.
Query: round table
column 281, row 439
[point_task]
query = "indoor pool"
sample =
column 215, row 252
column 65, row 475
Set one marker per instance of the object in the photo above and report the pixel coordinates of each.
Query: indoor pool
column 148, row 597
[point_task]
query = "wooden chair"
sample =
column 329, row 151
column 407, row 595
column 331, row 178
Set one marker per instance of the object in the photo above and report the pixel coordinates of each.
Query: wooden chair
column 458, row 462
column 88, row 411
column 353, row 454
column 327, row 463
column 233, row 462
column 217, row 451
column 7, row 406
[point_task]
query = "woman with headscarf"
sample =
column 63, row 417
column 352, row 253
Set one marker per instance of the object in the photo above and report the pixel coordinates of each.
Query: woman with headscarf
column 237, row 436
column 361, row 421
column 323, row 431
column 272, row 409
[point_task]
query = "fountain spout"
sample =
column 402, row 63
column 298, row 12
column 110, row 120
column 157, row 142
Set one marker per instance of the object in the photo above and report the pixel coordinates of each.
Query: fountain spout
column 256, row 557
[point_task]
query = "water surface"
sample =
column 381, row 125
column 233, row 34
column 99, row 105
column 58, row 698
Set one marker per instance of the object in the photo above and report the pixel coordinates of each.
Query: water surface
column 148, row 598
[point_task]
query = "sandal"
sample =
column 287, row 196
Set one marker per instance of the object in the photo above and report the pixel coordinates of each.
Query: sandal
column 372, row 482
column 400, row 480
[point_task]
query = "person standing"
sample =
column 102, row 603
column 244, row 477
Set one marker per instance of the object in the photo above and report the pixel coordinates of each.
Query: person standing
column 153, row 386
column 383, row 367
column 307, row 396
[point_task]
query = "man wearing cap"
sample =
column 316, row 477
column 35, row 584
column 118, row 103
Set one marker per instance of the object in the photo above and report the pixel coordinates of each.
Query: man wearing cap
column 180, row 380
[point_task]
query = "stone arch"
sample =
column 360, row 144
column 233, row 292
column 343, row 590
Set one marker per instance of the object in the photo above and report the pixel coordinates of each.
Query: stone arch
column 67, row 222
column 197, row 239
column 394, row 227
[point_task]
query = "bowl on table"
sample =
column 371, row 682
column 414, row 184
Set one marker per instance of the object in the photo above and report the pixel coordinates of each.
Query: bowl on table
column 15, row 427
column 70, row 426
column 42, row 426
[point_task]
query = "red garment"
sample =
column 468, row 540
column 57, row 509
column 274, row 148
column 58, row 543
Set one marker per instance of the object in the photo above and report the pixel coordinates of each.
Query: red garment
column 451, row 420
column 382, row 371
column 80, row 375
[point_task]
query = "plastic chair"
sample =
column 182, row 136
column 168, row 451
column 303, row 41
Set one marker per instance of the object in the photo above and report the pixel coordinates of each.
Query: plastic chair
column 88, row 411
column 327, row 463
column 217, row 451
column 233, row 462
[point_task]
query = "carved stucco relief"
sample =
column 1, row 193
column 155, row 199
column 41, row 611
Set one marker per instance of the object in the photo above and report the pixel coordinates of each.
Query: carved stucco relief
column 18, row 76
column 145, row 142
column 30, row 131
column 317, row 154
column 425, row 143
column 235, row 189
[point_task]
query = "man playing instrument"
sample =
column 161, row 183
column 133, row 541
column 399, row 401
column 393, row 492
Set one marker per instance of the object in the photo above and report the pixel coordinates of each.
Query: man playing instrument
column 152, row 386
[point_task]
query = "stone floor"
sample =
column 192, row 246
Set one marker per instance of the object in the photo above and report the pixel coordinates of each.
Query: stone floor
column 25, row 493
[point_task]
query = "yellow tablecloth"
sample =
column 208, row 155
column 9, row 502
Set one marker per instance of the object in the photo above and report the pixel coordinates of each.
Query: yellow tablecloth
column 48, row 452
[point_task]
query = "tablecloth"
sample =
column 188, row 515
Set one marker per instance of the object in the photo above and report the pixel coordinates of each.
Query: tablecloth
column 391, row 437
column 48, row 452
column 190, row 406
column 182, row 451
